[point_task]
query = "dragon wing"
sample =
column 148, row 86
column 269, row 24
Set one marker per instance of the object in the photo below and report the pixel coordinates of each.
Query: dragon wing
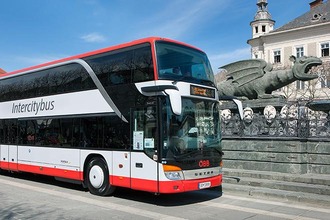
column 245, row 71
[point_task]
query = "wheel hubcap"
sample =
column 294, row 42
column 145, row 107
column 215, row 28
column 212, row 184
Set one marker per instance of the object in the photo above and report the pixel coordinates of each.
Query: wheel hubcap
column 96, row 176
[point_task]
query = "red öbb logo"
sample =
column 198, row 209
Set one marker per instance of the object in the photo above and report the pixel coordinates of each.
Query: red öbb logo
column 204, row 163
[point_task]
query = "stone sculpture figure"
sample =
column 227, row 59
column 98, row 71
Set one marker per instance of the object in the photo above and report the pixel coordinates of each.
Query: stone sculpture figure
column 256, row 79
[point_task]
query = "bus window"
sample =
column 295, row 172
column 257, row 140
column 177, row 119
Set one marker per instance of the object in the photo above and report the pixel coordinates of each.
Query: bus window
column 196, row 129
column 145, row 130
column 143, row 69
column 116, row 133
column 123, row 66
column 182, row 63
column 57, row 80
column 91, row 135
column 2, row 136
column 27, row 132
column 10, row 131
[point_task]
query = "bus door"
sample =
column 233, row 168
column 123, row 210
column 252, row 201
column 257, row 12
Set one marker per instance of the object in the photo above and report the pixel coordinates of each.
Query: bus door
column 4, row 156
column 12, row 153
column 9, row 149
column 144, row 166
column 9, row 157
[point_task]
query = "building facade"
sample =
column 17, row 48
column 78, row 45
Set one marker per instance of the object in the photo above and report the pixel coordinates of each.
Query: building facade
column 306, row 35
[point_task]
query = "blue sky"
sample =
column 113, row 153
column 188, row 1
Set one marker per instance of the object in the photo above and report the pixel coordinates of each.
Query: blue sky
column 37, row 31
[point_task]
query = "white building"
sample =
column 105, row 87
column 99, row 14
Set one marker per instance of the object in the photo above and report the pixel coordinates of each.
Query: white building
column 308, row 34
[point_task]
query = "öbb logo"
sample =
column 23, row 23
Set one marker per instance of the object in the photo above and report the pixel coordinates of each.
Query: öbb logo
column 204, row 163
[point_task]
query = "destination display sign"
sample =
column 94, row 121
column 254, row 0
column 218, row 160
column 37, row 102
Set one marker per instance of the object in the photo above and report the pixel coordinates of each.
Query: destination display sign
column 202, row 91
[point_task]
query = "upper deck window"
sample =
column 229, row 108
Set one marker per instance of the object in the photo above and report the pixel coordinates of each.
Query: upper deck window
column 176, row 62
column 123, row 66
column 57, row 80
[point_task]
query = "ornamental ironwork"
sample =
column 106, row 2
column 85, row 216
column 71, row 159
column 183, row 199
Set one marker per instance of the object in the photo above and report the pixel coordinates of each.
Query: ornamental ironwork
column 293, row 119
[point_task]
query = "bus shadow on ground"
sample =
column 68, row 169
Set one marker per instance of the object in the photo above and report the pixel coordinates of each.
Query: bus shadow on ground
column 44, row 180
column 169, row 199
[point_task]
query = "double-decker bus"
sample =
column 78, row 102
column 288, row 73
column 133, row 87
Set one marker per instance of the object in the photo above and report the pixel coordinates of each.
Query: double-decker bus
column 142, row 115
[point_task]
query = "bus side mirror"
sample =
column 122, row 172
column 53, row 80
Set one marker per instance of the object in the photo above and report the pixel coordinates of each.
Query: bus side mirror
column 175, row 100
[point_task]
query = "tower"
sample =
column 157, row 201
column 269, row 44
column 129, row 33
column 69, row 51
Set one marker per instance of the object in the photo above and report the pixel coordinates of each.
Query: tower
column 262, row 22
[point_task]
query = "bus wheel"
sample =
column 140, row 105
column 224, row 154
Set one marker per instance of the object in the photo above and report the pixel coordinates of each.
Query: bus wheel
column 97, row 177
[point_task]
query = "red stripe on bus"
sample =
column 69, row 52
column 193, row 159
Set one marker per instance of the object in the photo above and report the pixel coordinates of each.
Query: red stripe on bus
column 4, row 165
column 144, row 185
column 121, row 181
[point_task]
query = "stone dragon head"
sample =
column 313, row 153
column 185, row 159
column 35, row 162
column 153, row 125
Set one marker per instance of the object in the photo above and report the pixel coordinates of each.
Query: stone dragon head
column 302, row 65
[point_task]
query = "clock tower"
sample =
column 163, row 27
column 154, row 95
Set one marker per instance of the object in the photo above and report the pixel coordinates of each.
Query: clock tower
column 262, row 22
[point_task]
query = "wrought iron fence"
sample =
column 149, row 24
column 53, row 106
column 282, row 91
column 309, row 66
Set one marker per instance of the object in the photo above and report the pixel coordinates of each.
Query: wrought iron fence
column 294, row 119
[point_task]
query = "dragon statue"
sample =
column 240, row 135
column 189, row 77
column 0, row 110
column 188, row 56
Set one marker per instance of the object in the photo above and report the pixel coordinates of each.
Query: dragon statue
column 256, row 79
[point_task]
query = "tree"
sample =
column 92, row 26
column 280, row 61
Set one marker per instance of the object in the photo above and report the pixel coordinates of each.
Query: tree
column 220, row 76
column 314, row 89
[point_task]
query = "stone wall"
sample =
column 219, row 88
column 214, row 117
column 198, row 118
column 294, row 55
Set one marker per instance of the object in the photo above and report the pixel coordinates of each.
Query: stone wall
column 280, row 155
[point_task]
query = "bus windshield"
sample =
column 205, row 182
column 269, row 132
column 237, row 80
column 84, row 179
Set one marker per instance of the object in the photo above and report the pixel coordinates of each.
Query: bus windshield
column 176, row 62
column 197, row 129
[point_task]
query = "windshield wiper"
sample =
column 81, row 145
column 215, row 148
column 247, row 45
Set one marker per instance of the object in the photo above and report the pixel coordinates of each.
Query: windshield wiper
column 196, row 80
column 208, row 82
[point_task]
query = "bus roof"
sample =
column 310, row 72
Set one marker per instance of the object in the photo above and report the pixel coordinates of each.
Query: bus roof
column 111, row 48
column 2, row 71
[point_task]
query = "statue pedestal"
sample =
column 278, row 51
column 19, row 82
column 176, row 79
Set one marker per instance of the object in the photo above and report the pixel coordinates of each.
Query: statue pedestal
column 262, row 103
column 319, row 105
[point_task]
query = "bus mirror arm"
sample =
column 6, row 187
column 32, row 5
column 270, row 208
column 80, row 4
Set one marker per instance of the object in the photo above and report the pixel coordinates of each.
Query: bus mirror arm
column 175, row 100
column 173, row 93
column 237, row 102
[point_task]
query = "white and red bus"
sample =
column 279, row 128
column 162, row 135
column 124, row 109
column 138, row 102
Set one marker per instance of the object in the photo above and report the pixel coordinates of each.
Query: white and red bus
column 142, row 115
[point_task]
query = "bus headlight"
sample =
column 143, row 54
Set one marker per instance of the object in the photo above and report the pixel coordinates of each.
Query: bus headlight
column 173, row 172
column 173, row 175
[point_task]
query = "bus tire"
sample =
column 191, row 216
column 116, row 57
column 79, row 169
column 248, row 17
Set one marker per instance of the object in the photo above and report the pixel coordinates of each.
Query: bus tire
column 97, row 177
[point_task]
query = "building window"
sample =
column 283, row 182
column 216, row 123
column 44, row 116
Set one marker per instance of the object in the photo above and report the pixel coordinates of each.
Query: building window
column 256, row 29
column 299, row 52
column 277, row 56
column 325, row 49
column 263, row 28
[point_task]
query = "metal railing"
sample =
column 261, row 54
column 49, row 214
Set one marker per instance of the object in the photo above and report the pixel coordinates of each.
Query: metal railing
column 292, row 120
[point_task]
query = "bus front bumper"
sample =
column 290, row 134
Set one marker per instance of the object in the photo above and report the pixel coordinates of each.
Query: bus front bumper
column 180, row 186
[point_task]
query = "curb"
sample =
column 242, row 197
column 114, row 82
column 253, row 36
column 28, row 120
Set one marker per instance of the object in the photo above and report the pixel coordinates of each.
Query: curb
column 281, row 195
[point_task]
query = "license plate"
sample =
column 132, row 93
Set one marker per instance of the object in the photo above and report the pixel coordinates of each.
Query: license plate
column 204, row 185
